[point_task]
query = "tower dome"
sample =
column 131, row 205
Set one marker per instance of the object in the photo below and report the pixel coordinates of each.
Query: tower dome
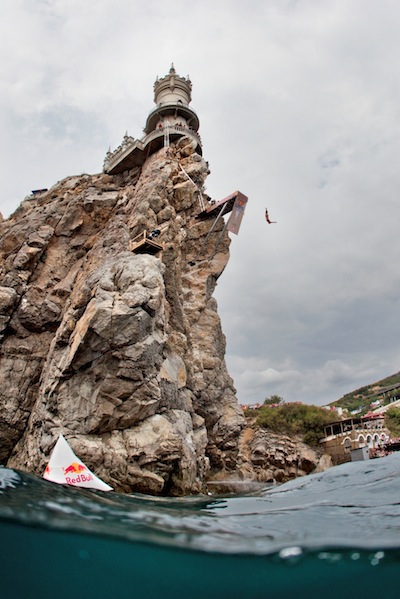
column 172, row 88
column 172, row 94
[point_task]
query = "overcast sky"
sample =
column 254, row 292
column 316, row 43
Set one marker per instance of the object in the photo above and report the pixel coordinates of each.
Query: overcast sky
column 298, row 103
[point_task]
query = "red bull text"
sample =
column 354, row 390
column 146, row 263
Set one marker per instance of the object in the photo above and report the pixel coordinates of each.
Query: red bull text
column 81, row 478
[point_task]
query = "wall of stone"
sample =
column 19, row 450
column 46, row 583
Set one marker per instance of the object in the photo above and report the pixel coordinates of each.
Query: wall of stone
column 121, row 353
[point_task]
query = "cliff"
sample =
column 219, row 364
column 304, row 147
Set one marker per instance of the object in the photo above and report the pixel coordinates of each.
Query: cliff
column 122, row 353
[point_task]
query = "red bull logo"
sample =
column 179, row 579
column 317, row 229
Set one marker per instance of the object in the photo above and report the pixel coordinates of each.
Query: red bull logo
column 74, row 468
column 74, row 474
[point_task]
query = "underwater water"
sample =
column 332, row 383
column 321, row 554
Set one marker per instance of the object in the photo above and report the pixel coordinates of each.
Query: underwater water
column 334, row 534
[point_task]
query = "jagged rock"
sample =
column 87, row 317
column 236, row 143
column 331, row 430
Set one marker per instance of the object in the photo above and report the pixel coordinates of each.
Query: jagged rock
column 122, row 353
column 275, row 458
column 8, row 299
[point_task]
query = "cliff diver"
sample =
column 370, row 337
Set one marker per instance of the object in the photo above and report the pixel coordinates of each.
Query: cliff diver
column 270, row 222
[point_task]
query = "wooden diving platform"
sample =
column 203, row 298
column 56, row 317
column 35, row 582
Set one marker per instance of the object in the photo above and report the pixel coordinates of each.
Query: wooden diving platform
column 145, row 243
column 213, row 210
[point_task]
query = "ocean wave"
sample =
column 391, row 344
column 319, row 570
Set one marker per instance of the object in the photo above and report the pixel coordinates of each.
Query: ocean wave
column 323, row 510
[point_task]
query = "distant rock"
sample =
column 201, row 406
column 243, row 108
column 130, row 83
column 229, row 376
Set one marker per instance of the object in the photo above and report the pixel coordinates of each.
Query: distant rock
column 271, row 458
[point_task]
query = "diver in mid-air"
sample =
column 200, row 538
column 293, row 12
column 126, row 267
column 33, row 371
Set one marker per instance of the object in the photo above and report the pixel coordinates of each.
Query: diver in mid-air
column 270, row 222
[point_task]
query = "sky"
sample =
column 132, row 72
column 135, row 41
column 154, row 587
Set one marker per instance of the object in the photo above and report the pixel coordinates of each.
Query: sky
column 299, row 108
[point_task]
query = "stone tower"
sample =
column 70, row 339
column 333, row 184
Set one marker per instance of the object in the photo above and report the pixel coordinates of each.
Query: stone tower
column 172, row 119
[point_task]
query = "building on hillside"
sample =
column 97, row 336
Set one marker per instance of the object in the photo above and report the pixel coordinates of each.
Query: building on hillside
column 393, row 403
column 385, row 398
column 392, row 392
column 345, row 436
column 251, row 406
column 336, row 409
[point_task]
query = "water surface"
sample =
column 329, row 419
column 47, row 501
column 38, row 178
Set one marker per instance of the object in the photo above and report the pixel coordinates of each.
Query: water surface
column 334, row 534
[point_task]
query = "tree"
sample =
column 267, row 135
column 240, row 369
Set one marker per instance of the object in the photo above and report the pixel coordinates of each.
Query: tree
column 273, row 400
column 296, row 419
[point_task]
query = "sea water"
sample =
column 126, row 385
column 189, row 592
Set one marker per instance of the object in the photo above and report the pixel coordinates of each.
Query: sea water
column 334, row 534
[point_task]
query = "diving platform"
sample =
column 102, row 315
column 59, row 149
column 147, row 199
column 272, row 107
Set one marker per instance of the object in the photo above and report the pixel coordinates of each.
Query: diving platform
column 224, row 206
column 145, row 243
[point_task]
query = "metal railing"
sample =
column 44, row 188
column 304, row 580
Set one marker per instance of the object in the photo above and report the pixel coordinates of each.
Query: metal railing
column 130, row 143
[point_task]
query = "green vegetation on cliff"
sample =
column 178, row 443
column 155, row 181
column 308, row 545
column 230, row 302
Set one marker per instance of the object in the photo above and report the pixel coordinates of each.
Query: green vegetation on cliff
column 296, row 419
column 308, row 421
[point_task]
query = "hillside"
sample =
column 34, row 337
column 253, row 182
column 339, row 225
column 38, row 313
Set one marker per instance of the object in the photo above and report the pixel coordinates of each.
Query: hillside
column 382, row 391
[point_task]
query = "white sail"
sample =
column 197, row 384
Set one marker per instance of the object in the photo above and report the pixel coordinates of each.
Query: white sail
column 65, row 468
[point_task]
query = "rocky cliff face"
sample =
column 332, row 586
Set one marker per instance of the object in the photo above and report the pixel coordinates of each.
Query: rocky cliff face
column 122, row 353
column 269, row 457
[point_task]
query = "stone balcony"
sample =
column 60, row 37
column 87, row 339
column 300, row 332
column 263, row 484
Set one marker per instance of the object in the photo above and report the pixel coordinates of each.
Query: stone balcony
column 133, row 152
